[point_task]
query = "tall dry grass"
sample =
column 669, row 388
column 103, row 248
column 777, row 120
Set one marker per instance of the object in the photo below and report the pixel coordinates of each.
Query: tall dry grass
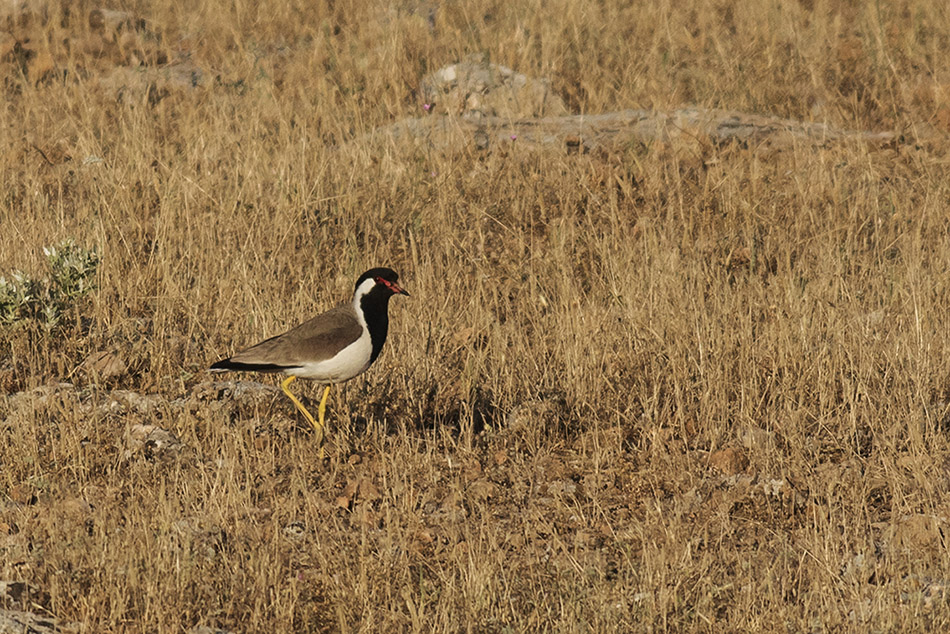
column 540, row 447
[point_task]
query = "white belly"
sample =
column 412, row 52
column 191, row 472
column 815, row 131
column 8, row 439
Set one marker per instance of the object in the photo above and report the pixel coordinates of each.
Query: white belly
column 348, row 362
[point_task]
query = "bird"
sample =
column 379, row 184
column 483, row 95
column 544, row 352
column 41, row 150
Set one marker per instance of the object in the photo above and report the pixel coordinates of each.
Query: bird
column 330, row 348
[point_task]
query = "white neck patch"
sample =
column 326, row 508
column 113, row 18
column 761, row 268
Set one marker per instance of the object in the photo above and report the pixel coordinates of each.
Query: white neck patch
column 365, row 287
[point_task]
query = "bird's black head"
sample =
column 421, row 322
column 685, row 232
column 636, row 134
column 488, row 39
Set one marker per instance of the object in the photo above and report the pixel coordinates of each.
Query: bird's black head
column 385, row 280
column 371, row 300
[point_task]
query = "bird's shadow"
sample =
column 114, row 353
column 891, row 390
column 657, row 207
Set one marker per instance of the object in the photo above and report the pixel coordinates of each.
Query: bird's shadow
column 424, row 412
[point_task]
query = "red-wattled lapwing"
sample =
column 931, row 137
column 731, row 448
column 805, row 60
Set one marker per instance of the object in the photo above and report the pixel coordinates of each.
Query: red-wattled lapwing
column 330, row 348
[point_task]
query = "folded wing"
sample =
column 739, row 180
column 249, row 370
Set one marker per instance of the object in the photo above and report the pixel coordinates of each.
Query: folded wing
column 315, row 340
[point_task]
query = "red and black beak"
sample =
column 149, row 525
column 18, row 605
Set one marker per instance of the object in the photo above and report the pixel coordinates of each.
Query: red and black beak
column 395, row 288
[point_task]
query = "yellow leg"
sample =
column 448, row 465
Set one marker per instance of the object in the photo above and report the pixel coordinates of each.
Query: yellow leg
column 317, row 426
column 322, row 410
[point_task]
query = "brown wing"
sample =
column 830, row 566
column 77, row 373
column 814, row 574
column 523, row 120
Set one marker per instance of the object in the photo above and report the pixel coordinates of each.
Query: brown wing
column 315, row 340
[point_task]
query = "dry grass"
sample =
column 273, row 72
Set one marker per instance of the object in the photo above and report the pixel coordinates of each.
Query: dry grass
column 536, row 450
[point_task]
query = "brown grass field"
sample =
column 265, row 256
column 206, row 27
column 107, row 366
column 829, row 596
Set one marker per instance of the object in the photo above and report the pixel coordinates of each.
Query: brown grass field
column 666, row 387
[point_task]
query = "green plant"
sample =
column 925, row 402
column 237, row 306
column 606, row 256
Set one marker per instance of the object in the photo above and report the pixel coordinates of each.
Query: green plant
column 17, row 296
column 72, row 276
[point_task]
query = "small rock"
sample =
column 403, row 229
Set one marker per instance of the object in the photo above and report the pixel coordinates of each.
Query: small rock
column 574, row 144
column 8, row 380
column 368, row 491
column 926, row 591
column 482, row 140
column 349, row 491
column 449, row 510
column 125, row 401
column 738, row 258
column 76, row 507
column 481, row 490
column 133, row 85
column 471, row 471
column 365, row 514
column 874, row 319
column 22, row 494
column 154, row 442
column 534, row 414
column 775, row 488
column 757, row 438
column 295, row 530
column 562, row 487
column 40, row 396
column 14, row 591
column 105, row 365
column 916, row 533
column 861, row 567
column 240, row 392
column 15, row 621
column 102, row 20
column 424, row 536
column 729, row 461
column 207, row 629
column 477, row 88
column 358, row 488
